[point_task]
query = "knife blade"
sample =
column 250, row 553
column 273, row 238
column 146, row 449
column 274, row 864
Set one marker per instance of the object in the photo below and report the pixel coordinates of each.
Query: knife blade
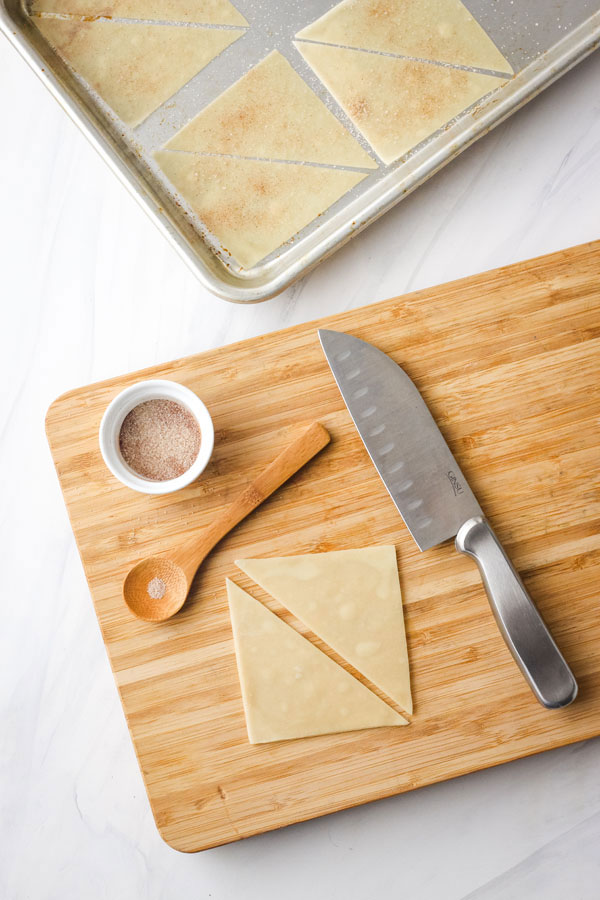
column 436, row 503
column 402, row 439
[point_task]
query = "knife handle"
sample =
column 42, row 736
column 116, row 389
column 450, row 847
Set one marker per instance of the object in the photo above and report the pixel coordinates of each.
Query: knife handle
column 521, row 625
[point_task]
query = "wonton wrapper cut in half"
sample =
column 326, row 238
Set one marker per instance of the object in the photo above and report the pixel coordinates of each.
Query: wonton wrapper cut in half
column 202, row 12
column 253, row 207
column 351, row 599
column 442, row 30
column 395, row 103
column 272, row 114
column 134, row 68
column 291, row 689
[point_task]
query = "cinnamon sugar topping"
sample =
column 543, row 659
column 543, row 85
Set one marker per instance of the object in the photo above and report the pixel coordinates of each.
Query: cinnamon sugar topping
column 159, row 439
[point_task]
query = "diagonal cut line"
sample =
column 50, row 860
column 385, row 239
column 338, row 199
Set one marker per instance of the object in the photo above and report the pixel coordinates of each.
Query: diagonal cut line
column 271, row 159
column 296, row 624
column 69, row 17
column 432, row 62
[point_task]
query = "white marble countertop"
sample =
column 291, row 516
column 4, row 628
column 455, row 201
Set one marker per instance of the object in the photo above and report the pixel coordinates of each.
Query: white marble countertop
column 90, row 289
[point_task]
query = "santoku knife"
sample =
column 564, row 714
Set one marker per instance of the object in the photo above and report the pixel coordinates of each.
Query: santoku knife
column 436, row 503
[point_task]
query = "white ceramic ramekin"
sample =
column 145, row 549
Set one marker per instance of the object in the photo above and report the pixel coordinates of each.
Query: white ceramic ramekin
column 123, row 403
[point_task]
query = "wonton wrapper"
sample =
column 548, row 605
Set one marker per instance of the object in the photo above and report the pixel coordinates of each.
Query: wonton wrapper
column 395, row 103
column 134, row 68
column 272, row 114
column 253, row 207
column 207, row 12
column 291, row 689
column 442, row 30
column 351, row 599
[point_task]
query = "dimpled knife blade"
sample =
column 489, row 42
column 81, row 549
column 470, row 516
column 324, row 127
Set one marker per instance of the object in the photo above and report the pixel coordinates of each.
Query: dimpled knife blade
column 402, row 439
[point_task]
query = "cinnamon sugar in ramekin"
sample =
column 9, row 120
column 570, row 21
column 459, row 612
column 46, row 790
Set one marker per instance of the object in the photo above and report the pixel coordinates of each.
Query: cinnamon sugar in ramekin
column 159, row 439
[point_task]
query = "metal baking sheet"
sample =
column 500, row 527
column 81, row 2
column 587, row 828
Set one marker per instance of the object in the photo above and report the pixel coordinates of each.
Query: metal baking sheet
column 542, row 39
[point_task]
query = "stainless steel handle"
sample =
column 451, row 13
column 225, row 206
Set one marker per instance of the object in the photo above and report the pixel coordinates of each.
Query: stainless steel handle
column 522, row 627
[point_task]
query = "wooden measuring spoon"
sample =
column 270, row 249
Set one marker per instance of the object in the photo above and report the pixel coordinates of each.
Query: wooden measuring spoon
column 157, row 587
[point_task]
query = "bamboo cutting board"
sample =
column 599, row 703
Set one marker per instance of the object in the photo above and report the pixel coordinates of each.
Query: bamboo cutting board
column 509, row 363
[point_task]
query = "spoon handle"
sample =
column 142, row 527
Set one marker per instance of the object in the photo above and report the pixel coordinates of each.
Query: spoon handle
column 276, row 473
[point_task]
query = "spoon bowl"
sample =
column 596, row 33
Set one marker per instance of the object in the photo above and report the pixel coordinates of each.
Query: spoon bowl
column 157, row 587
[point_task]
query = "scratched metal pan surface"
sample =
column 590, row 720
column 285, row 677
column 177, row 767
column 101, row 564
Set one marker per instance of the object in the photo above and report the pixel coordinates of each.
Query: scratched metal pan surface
column 542, row 39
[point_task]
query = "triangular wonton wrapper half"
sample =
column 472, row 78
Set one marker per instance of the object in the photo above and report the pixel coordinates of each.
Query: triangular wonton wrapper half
column 202, row 12
column 134, row 68
column 271, row 113
column 253, row 207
